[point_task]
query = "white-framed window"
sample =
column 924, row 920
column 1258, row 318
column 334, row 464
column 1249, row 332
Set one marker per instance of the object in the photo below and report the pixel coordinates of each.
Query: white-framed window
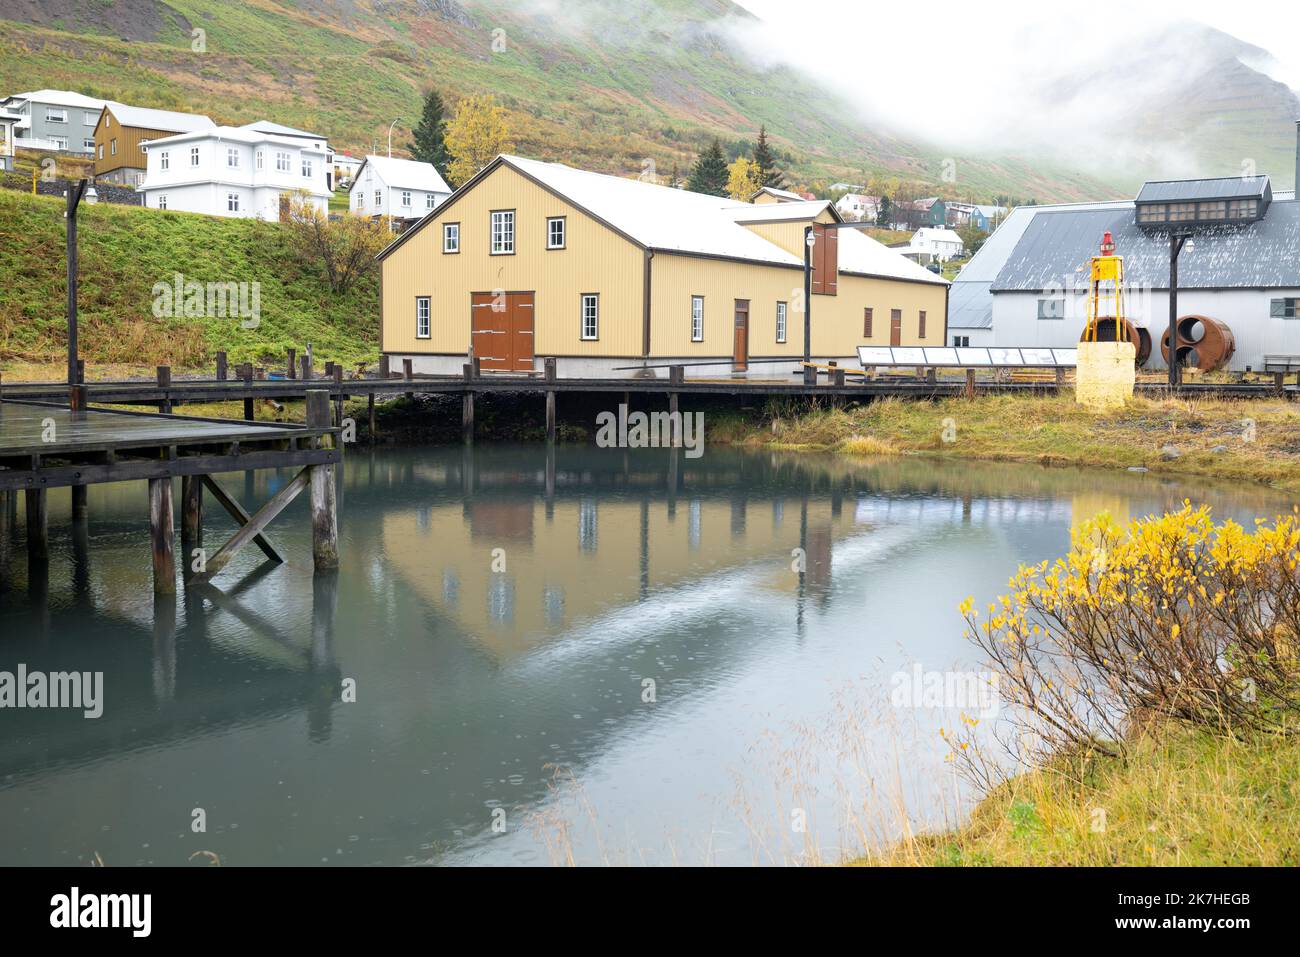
column 89, row 118
column 590, row 315
column 306, row 168
column 282, row 162
column 1284, row 308
column 697, row 318
column 108, row 120
column 451, row 237
column 54, row 115
column 164, row 160
column 112, row 146
column 555, row 232
column 232, row 202
column 232, row 157
column 430, row 200
column 503, row 232
column 406, row 199
column 361, row 200
column 379, row 199
column 61, row 143
column 422, row 317
column 88, row 145
column 960, row 342
column 162, row 200
column 194, row 156
column 101, row 150
column 259, row 159
column 780, row 321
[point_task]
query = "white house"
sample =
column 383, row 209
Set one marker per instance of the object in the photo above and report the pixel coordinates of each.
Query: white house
column 937, row 243
column 858, row 207
column 397, row 188
column 236, row 171
column 345, row 168
column 55, row 120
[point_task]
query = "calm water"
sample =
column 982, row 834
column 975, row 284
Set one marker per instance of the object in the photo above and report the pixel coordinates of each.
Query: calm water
column 502, row 615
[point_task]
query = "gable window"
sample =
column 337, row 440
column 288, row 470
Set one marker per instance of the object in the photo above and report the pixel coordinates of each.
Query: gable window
column 232, row 202
column 422, row 317
column 108, row 120
column 451, row 237
column 780, row 322
column 282, row 162
column 406, row 199
column 194, row 156
column 1053, row 308
column 503, row 233
column 866, row 323
column 232, row 157
column 590, row 315
column 1284, row 308
column 555, row 232
column 306, row 169
column 697, row 318
column 921, row 326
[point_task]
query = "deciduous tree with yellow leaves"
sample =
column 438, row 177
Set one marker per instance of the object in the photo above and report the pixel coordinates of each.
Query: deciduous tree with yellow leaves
column 744, row 179
column 476, row 133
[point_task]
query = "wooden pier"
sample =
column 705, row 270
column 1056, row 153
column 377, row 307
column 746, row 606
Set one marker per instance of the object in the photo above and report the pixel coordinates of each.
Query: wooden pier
column 45, row 445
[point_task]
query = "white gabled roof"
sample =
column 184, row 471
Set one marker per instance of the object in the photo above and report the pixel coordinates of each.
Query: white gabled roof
column 406, row 174
column 167, row 120
column 266, row 126
column 675, row 220
column 936, row 234
column 61, row 98
column 234, row 134
column 784, row 194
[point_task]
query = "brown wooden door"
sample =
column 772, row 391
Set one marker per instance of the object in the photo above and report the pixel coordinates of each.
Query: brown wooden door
column 502, row 331
column 521, row 331
column 740, row 346
column 896, row 327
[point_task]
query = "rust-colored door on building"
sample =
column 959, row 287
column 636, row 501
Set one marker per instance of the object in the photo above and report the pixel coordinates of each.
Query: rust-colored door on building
column 502, row 331
column 896, row 327
column 740, row 350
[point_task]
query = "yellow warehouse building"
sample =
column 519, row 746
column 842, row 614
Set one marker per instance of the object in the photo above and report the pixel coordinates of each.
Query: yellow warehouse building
column 532, row 260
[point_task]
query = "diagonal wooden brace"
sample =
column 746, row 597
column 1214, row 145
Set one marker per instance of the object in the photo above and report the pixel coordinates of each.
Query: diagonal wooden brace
column 239, row 515
column 252, row 527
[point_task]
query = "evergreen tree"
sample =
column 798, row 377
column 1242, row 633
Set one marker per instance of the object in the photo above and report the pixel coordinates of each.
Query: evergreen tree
column 768, row 174
column 709, row 174
column 884, row 218
column 428, row 145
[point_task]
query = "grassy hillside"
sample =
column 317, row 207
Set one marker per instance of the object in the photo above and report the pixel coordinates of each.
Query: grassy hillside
column 655, row 79
column 126, row 250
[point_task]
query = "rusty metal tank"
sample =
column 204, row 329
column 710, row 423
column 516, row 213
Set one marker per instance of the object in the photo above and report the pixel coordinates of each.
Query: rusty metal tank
column 1203, row 343
column 1140, row 338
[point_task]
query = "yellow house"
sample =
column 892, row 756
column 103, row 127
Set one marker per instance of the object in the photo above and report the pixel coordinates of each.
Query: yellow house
column 530, row 260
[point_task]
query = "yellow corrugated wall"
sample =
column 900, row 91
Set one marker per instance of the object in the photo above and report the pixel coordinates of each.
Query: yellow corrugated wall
column 595, row 259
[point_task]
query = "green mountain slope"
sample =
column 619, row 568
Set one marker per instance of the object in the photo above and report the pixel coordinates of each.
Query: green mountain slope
column 611, row 86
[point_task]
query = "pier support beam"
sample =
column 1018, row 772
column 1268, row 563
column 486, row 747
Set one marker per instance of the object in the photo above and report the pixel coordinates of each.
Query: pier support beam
column 324, row 506
column 38, row 530
column 467, row 417
column 550, row 415
column 161, row 531
column 191, row 510
column 6, row 534
column 80, row 506
column 372, row 428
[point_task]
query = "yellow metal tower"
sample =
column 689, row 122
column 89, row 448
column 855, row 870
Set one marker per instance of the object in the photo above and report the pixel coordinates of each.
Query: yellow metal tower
column 1106, row 292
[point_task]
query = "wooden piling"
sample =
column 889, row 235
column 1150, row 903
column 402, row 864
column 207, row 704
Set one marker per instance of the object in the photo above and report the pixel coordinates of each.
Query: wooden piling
column 467, row 417
column 38, row 530
column 191, row 511
column 370, row 414
column 407, row 374
column 161, row 532
column 164, row 383
column 385, row 367
column 305, row 362
column 970, row 383
column 337, row 375
column 1279, row 382
column 221, row 367
column 550, row 415
column 324, row 508
column 246, row 372
column 292, row 364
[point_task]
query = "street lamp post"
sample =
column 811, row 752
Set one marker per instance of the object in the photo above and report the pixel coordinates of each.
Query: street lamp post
column 74, row 195
column 1176, row 242
column 809, row 241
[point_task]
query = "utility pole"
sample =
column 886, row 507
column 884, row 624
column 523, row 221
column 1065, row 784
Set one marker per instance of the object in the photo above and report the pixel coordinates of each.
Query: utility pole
column 74, row 196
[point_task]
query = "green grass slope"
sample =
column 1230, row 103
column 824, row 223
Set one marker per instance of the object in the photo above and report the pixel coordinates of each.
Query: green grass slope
column 124, row 251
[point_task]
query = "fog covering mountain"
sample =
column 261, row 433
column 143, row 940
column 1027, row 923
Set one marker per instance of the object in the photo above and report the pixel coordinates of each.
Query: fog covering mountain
column 617, row 85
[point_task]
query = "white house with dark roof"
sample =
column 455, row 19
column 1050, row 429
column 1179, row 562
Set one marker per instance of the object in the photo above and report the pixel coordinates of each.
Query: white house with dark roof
column 1027, row 286
column 405, row 190
column 237, row 172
